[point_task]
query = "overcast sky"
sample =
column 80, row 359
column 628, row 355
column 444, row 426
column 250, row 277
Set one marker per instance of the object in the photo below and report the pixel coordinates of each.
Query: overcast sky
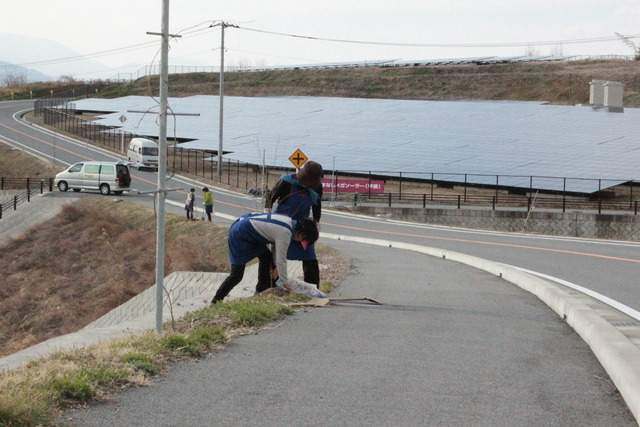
column 88, row 26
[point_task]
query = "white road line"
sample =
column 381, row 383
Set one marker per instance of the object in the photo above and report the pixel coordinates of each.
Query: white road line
column 604, row 299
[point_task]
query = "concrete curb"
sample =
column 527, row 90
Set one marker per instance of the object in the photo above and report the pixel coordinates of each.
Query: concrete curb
column 617, row 355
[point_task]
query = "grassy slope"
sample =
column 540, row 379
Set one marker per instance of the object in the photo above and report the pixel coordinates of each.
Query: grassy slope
column 93, row 257
column 88, row 260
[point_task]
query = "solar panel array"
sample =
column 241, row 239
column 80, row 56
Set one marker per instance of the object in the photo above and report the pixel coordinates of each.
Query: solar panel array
column 479, row 138
column 413, row 63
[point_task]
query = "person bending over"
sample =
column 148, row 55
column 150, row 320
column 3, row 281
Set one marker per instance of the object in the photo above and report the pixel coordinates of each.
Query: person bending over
column 248, row 239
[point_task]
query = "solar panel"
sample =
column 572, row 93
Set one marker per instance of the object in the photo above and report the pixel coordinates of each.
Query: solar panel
column 417, row 138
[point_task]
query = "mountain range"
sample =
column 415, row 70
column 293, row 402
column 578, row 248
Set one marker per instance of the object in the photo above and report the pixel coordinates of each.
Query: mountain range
column 41, row 60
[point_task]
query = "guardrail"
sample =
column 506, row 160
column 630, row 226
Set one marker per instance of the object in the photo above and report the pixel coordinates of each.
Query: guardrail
column 495, row 202
column 31, row 186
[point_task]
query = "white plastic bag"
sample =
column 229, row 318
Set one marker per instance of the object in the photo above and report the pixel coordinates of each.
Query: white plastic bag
column 303, row 288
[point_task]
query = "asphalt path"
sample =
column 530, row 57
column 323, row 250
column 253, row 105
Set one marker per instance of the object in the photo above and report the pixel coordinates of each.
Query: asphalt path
column 453, row 346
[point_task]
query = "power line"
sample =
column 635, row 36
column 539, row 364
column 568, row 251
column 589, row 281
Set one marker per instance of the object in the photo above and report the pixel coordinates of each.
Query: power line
column 193, row 33
column 449, row 45
column 96, row 54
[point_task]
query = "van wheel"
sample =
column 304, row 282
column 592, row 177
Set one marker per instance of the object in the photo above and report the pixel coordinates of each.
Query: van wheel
column 105, row 190
column 63, row 186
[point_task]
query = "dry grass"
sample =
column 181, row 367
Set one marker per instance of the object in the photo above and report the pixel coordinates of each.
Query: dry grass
column 91, row 258
column 14, row 163
column 37, row 394
column 565, row 82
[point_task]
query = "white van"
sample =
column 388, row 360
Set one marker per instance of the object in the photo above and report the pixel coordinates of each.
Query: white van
column 143, row 153
column 105, row 177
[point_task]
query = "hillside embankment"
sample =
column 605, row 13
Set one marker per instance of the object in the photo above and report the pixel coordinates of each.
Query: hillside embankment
column 562, row 82
column 559, row 82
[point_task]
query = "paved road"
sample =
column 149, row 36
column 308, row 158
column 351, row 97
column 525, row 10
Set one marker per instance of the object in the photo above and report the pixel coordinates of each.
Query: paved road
column 607, row 267
column 477, row 350
column 454, row 346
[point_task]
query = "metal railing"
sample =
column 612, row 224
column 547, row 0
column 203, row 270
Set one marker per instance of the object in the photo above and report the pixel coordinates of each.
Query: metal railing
column 401, row 187
column 496, row 202
column 31, row 187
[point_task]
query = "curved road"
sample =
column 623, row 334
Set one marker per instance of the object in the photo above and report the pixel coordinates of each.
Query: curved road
column 484, row 355
column 607, row 267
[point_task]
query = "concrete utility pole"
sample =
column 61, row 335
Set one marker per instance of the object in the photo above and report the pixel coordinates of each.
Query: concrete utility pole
column 161, row 191
column 162, row 163
column 222, row 26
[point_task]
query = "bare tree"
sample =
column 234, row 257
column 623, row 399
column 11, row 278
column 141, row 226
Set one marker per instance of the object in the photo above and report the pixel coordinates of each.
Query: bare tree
column 531, row 51
column 633, row 45
column 15, row 78
column 67, row 78
column 557, row 50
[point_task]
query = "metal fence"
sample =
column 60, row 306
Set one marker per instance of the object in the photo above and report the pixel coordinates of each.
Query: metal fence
column 26, row 187
column 400, row 187
column 506, row 202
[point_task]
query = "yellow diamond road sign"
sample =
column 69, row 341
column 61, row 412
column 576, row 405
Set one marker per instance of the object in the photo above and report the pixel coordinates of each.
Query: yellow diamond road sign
column 298, row 158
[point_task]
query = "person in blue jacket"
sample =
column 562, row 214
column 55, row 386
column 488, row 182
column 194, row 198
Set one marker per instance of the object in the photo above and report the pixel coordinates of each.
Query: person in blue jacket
column 248, row 239
column 299, row 196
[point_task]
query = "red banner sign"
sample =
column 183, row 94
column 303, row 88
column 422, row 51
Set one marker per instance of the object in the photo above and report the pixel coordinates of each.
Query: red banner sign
column 352, row 186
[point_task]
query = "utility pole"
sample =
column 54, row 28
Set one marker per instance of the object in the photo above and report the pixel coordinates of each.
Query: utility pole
column 222, row 26
column 162, row 161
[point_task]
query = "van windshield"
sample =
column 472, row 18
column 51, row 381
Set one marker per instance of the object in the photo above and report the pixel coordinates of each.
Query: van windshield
column 149, row 151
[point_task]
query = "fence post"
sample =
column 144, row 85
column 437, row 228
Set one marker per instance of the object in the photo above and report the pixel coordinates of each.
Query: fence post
column 528, row 203
column 497, row 188
column 564, row 194
column 424, row 201
column 432, row 186
column 400, row 188
column 599, row 206
column 389, row 199
column 2, row 183
column 465, row 187
column 459, row 198
column 28, row 194
column 15, row 202
column 493, row 203
column 0, row 211
column 635, row 211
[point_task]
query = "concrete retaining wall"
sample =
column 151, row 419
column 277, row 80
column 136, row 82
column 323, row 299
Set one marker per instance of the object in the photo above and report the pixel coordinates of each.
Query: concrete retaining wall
column 575, row 224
